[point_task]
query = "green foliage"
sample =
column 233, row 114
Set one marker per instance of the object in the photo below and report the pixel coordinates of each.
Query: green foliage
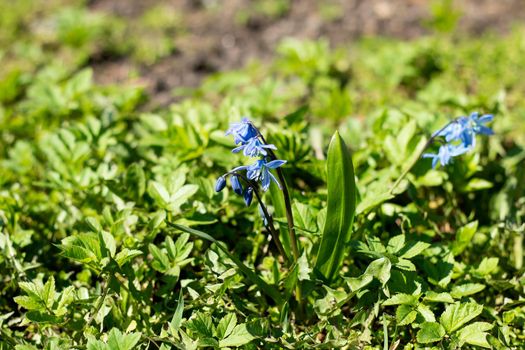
column 340, row 209
column 112, row 236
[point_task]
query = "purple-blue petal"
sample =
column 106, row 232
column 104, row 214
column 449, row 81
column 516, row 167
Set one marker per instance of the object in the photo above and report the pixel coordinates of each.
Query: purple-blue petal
column 275, row 163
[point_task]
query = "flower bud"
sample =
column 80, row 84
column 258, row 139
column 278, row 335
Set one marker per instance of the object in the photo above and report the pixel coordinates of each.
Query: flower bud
column 220, row 184
column 236, row 185
column 248, row 196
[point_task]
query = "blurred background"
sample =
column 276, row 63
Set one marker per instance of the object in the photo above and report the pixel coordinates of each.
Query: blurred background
column 166, row 45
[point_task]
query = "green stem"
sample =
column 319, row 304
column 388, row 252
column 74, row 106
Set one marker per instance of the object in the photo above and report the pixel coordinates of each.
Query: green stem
column 100, row 302
column 287, row 204
column 414, row 161
column 270, row 226
column 291, row 227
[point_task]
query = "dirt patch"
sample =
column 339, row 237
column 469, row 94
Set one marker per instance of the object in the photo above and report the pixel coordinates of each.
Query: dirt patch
column 217, row 37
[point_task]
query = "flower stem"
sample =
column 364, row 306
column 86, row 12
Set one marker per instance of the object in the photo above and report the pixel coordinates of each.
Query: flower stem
column 414, row 161
column 287, row 204
column 100, row 302
column 291, row 228
column 269, row 226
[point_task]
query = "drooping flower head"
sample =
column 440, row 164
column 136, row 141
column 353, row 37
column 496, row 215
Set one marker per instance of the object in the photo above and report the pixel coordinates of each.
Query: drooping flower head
column 260, row 171
column 252, row 144
column 460, row 135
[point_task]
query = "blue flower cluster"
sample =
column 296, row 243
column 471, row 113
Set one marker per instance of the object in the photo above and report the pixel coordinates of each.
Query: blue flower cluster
column 460, row 136
column 249, row 140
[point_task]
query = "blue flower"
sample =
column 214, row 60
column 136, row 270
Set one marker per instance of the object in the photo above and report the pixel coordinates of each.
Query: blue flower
column 242, row 132
column 460, row 135
column 254, row 148
column 445, row 154
column 252, row 144
column 220, row 184
column 260, row 171
column 248, row 196
column 465, row 129
column 478, row 123
column 236, row 185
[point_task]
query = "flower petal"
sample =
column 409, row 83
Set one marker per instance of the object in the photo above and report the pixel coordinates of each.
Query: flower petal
column 275, row 163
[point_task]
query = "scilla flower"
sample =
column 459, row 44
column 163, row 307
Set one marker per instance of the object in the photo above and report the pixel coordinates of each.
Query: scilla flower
column 252, row 144
column 460, row 136
column 445, row 154
column 243, row 131
column 254, row 148
column 260, row 171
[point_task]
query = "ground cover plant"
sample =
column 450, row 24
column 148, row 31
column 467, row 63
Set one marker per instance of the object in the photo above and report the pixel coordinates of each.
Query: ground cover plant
column 375, row 197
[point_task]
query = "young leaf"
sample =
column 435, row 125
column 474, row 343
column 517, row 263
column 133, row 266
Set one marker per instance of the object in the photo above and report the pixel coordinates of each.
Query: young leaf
column 341, row 204
column 226, row 325
column 466, row 289
column 120, row 341
column 430, row 332
column 456, row 315
column 238, row 337
column 475, row 334
column 463, row 237
column 405, row 314
column 177, row 316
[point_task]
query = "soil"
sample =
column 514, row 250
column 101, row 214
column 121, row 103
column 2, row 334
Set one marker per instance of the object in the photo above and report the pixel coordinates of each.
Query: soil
column 216, row 40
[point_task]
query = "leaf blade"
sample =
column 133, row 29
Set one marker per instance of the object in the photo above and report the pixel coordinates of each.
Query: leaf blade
column 341, row 205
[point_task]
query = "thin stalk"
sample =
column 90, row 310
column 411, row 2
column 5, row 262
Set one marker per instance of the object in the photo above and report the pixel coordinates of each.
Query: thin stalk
column 287, row 204
column 411, row 164
column 291, row 226
column 100, row 302
column 270, row 227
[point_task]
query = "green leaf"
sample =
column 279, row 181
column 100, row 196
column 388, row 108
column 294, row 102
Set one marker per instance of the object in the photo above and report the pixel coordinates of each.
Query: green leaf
column 28, row 302
column 159, row 193
column 486, row 267
column 226, row 325
column 466, row 289
column 181, row 196
column 341, row 204
column 304, row 219
column 438, row 297
column 464, row 237
column 427, row 314
column 405, row 314
column 177, row 316
column 412, row 249
column 48, row 292
column 303, row 272
column 126, row 255
column 135, row 181
column 380, row 269
column 430, row 332
column 250, row 274
column 475, row 334
column 119, row 341
column 238, row 337
column 356, row 283
column 280, row 212
column 41, row 317
column 84, row 247
column 160, row 262
column 456, row 315
column 401, row 299
column 201, row 324
column 109, row 242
